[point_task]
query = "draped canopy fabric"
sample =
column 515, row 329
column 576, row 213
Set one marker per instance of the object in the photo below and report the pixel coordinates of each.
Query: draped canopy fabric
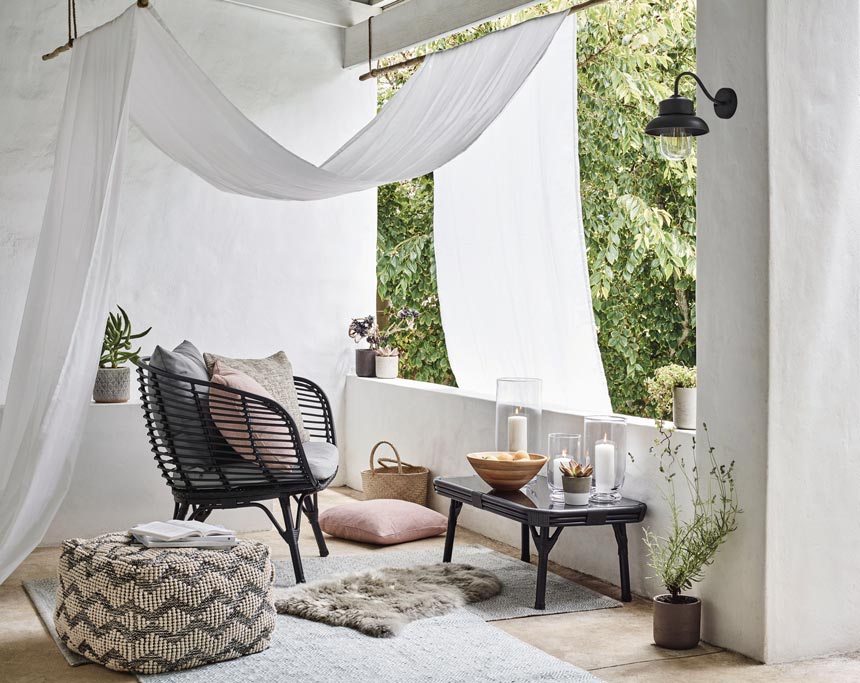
column 508, row 231
column 134, row 67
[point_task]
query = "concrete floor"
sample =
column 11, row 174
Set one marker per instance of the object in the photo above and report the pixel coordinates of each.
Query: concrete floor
column 615, row 644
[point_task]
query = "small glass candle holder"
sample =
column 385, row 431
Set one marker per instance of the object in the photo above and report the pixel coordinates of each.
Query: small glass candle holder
column 606, row 450
column 563, row 448
column 518, row 414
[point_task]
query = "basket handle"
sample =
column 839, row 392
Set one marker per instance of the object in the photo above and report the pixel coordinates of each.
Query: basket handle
column 396, row 454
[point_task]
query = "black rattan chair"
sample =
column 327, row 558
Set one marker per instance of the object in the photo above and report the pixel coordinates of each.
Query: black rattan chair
column 205, row 473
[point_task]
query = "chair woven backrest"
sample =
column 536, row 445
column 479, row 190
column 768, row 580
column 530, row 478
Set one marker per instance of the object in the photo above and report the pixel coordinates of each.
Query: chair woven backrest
column 185, row 418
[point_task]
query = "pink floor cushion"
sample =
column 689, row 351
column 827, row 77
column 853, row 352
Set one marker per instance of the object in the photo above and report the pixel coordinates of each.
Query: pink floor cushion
column 382, row 522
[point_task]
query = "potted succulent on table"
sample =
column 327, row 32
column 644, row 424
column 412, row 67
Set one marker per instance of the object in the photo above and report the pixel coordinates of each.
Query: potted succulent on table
column 365, row 359
column 672, row 392
column 698, row 530
column 576, row 482
column 113, row 383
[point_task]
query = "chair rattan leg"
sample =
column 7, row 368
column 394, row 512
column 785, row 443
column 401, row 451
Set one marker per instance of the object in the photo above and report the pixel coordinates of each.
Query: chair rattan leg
column 291, row 536
column 312, row 510
column 180, row 510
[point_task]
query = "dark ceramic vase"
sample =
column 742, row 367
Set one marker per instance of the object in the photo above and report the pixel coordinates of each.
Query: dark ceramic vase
column 365, row 362
column 677, row 625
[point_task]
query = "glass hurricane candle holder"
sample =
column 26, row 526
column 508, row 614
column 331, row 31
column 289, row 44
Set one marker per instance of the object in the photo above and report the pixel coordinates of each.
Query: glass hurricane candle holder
column 518, row 414
column 562, row 448
column 606, row 450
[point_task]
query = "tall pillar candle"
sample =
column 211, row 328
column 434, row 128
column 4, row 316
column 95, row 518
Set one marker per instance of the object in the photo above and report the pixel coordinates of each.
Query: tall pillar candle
column 604, row 466
column 518, row 433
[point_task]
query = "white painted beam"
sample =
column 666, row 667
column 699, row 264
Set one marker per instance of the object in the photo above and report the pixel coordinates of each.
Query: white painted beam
column 341, row 13
column 418, row 21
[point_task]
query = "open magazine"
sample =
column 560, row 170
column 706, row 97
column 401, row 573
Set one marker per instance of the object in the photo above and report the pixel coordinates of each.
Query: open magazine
column 179, row 533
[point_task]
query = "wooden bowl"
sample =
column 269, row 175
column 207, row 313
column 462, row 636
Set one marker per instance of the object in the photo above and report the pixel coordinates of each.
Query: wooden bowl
column 506, row 475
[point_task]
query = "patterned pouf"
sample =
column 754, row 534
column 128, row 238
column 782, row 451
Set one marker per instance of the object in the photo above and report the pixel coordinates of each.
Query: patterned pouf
column 151, row 610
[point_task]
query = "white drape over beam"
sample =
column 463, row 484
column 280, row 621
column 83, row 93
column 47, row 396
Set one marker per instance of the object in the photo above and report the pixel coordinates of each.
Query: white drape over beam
column 133, row 66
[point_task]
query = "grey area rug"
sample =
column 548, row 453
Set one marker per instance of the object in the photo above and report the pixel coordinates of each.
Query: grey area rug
column 457, row 646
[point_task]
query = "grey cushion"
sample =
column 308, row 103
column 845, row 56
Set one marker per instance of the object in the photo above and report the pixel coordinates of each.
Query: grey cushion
column 184, row 360
column 322, row 458
column 185, row 427
column 275, row 374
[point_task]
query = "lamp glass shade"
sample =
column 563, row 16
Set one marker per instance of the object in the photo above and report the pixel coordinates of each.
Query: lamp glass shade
column 676, row 144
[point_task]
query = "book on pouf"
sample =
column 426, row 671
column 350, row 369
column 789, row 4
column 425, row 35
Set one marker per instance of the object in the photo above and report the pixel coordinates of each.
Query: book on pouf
column 178, row 533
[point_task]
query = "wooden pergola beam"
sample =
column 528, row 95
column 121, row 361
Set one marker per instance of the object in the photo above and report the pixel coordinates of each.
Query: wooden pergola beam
column 418, row 21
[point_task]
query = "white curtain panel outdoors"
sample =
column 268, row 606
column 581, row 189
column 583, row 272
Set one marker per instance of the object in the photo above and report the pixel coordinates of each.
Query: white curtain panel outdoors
column 134, row 67
column 510, row 247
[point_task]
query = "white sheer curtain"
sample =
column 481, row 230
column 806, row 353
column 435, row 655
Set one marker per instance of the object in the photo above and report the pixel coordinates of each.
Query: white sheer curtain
column 510, row 247
column 134, row 66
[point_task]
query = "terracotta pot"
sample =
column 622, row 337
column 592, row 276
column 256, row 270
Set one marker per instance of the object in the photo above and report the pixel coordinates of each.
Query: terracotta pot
column 677, row 625
column 576, row 490
column 113, row 385
column 684, row 408
column 365, row 362
column 387, row 366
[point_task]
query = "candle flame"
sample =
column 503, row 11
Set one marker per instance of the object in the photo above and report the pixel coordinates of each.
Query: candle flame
column 564, row 451
column 605, row 437
column 516, row 411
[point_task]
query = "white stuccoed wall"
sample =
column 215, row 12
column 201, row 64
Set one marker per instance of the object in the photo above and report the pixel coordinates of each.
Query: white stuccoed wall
column 236, row 276
column 779, row 319
column 436, row 426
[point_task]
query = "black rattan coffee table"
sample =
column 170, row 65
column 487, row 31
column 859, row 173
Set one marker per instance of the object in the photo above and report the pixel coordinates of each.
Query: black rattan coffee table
column 532, row 508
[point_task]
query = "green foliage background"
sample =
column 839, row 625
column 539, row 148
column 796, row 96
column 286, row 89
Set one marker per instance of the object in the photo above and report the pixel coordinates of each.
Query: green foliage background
column 639, row 211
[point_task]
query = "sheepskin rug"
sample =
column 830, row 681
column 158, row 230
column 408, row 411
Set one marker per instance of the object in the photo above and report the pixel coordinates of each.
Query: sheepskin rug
column 380, row 602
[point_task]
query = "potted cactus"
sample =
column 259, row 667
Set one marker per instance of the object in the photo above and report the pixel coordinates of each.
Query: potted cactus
column 576, row 482
column 113, row 383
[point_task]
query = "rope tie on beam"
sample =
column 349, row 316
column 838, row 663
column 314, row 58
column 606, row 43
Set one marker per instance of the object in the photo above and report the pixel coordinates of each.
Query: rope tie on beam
column 412, row 61
column 73, row 29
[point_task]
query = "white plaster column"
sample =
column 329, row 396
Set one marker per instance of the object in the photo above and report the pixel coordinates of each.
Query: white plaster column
column 732, row 305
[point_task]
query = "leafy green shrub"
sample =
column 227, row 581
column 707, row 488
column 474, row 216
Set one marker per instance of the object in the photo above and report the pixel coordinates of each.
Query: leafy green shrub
column 639, row 211
column 679, row 558
column 661, row 387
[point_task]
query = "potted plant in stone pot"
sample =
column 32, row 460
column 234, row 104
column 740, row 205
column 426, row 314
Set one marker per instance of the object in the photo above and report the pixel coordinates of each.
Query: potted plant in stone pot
column 388, row 356
column 365, row 359
column 576, row 482
column 672, row 393
column 699, row 527
column 113, row 382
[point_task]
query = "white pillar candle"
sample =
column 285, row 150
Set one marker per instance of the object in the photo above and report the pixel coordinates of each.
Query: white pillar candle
column 518, row 433
column 604, row 465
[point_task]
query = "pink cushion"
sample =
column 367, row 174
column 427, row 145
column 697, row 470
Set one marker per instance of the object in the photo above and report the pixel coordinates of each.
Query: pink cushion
column 382, row 522
column 272, row 440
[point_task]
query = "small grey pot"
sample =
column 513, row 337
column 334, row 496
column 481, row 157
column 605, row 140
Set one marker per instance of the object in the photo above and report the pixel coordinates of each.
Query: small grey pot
column 677, row 626
column 576, row 490
column 365, row 362
column 113, row 385
column 684, row 408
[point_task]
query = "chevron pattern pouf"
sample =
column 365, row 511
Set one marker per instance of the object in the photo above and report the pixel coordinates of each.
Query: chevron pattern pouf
column 151, row 610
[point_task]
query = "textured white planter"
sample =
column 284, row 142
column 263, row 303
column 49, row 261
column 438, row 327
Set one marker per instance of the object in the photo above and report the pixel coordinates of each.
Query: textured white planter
column 113, row 385
column 684, row 408
column 387, row 366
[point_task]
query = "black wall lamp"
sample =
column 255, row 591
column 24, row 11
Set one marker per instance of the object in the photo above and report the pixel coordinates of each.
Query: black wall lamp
column 677, row 123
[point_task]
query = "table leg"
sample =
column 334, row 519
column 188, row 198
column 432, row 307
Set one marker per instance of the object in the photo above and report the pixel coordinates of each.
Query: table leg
column 623, row 561
column 544, row 543
column 526, row 554
column 453, row 513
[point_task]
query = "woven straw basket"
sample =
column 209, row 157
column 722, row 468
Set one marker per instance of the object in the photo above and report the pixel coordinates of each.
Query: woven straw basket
column 398, row 480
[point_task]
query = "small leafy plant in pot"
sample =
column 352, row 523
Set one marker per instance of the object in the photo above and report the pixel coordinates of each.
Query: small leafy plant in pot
column 697, row 531
column 576, row 482
column 365, row 359
column 387, row 356
column 672, row 393
column 113, row 383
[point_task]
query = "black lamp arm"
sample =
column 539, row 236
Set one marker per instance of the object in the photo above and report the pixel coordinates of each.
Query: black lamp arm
column 699, row 81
